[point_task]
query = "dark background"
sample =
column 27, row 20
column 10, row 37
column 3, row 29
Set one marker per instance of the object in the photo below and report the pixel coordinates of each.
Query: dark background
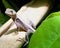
column 17, row 4
column 13, row 3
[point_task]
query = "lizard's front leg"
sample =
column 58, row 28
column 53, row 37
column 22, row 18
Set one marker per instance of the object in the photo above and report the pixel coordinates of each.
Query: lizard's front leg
column 17, row 25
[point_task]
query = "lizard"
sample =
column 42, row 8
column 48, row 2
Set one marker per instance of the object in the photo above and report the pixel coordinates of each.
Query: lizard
column 20, row 23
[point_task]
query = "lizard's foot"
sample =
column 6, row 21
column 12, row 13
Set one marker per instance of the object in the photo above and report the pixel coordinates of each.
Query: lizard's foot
column 26, row 41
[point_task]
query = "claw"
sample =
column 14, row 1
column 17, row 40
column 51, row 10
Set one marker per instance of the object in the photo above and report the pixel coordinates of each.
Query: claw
column 25, row 44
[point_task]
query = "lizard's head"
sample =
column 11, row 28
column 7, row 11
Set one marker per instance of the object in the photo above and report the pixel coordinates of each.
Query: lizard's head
column 10, row 12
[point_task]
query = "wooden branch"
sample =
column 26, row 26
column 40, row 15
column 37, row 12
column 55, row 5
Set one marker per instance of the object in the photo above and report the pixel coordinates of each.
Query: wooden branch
column 12, row 40
column 5, row 27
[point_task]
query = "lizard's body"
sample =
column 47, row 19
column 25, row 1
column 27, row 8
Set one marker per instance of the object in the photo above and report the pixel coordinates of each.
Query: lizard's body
column 20, row 23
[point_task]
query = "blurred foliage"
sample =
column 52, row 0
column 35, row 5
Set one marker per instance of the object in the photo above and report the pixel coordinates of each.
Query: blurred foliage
column 3, row 18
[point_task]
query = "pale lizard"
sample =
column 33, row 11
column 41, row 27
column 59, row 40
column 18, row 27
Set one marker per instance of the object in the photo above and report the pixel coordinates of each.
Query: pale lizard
column 20, row 23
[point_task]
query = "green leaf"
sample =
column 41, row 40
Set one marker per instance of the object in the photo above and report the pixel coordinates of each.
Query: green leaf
column 53, row 14
column 47, row 34
column 9, row 5
column 6, row 4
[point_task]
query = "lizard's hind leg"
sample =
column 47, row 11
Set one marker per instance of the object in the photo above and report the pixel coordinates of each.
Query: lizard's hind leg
column 26, row 40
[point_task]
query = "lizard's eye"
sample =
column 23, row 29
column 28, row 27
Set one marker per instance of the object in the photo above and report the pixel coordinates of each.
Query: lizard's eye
column 11, row 12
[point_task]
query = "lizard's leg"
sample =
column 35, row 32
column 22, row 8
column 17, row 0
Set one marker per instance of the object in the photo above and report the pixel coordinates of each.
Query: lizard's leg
column 27, row 37
column 17, row 25
column 26, row 40
column 16, row 32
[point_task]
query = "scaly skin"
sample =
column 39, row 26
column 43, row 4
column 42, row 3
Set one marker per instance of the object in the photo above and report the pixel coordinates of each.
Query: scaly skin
column 20, row 24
